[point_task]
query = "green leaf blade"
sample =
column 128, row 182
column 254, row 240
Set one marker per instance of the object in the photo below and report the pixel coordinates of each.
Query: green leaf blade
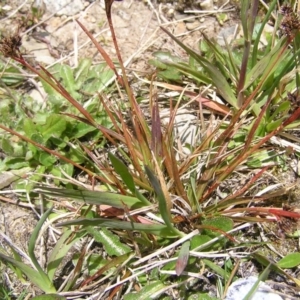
column 290, row 261
column 33, row 275
column 156, row 229
column 110, row 241
column 122, row 170
column 93, row 197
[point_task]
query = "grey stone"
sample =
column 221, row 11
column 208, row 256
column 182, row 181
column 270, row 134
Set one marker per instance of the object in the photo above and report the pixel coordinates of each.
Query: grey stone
column 64, row 7
column 192, row 26
column 240, row 288
column 207, row 4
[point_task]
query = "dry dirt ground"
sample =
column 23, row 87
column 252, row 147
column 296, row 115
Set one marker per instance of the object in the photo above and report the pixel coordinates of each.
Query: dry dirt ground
column 58, row 38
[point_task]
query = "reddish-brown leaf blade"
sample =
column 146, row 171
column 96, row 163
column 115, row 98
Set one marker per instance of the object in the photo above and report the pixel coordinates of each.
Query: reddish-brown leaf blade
column 182, row 258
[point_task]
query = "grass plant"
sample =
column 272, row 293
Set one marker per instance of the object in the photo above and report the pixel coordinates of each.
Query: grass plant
column 152, row 207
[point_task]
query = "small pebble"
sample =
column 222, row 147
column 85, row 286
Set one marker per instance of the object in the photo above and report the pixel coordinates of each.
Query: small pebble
column 207, row 5
column 192, row 26
column 170, row 13
column 6, row 7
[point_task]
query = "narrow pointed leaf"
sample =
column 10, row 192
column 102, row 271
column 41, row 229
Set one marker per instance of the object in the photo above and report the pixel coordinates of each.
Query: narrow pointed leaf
column 218, row 270
column 146, row 292
column 31, row 246
column 49, row 297
column 33, row 275
column 183, row 258
column 264, row 275
column 93, row 197
column 221, row 84
column 218, row 79
column 122, row 170
column 162, row 203
column 157, row 229
column 60, row 251
column 156, row 133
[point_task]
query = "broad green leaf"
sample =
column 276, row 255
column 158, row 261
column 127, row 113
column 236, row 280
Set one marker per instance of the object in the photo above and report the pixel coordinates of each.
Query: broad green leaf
column 165, row 62
column 82, row 71
column 29, row 127
column 29, row 155
column 103, row 73
column 38, row 173
column 95, row 262
column 93, row 197
column 53, row 96
column 7, row 147
column 282, row 108
column 10, row 75
column 199, row 240
column 40, row 118
column 110, row 241
column 36, row 137
column 15, row 163
column 76, row 155
column 98, row 78
column 147, row 292
column 67, row 168
column 67, row 76
column 157, row 229
column 19, row 149
column 170, row 73
column 55, row 125
column 81, row 130
column 223, row 223
column 275, row 124
column 289, row 261
column 157, row 64
column 34, row 276
column 254, row 163
column 59, row 142
column 47, row 159
column 166, row 57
